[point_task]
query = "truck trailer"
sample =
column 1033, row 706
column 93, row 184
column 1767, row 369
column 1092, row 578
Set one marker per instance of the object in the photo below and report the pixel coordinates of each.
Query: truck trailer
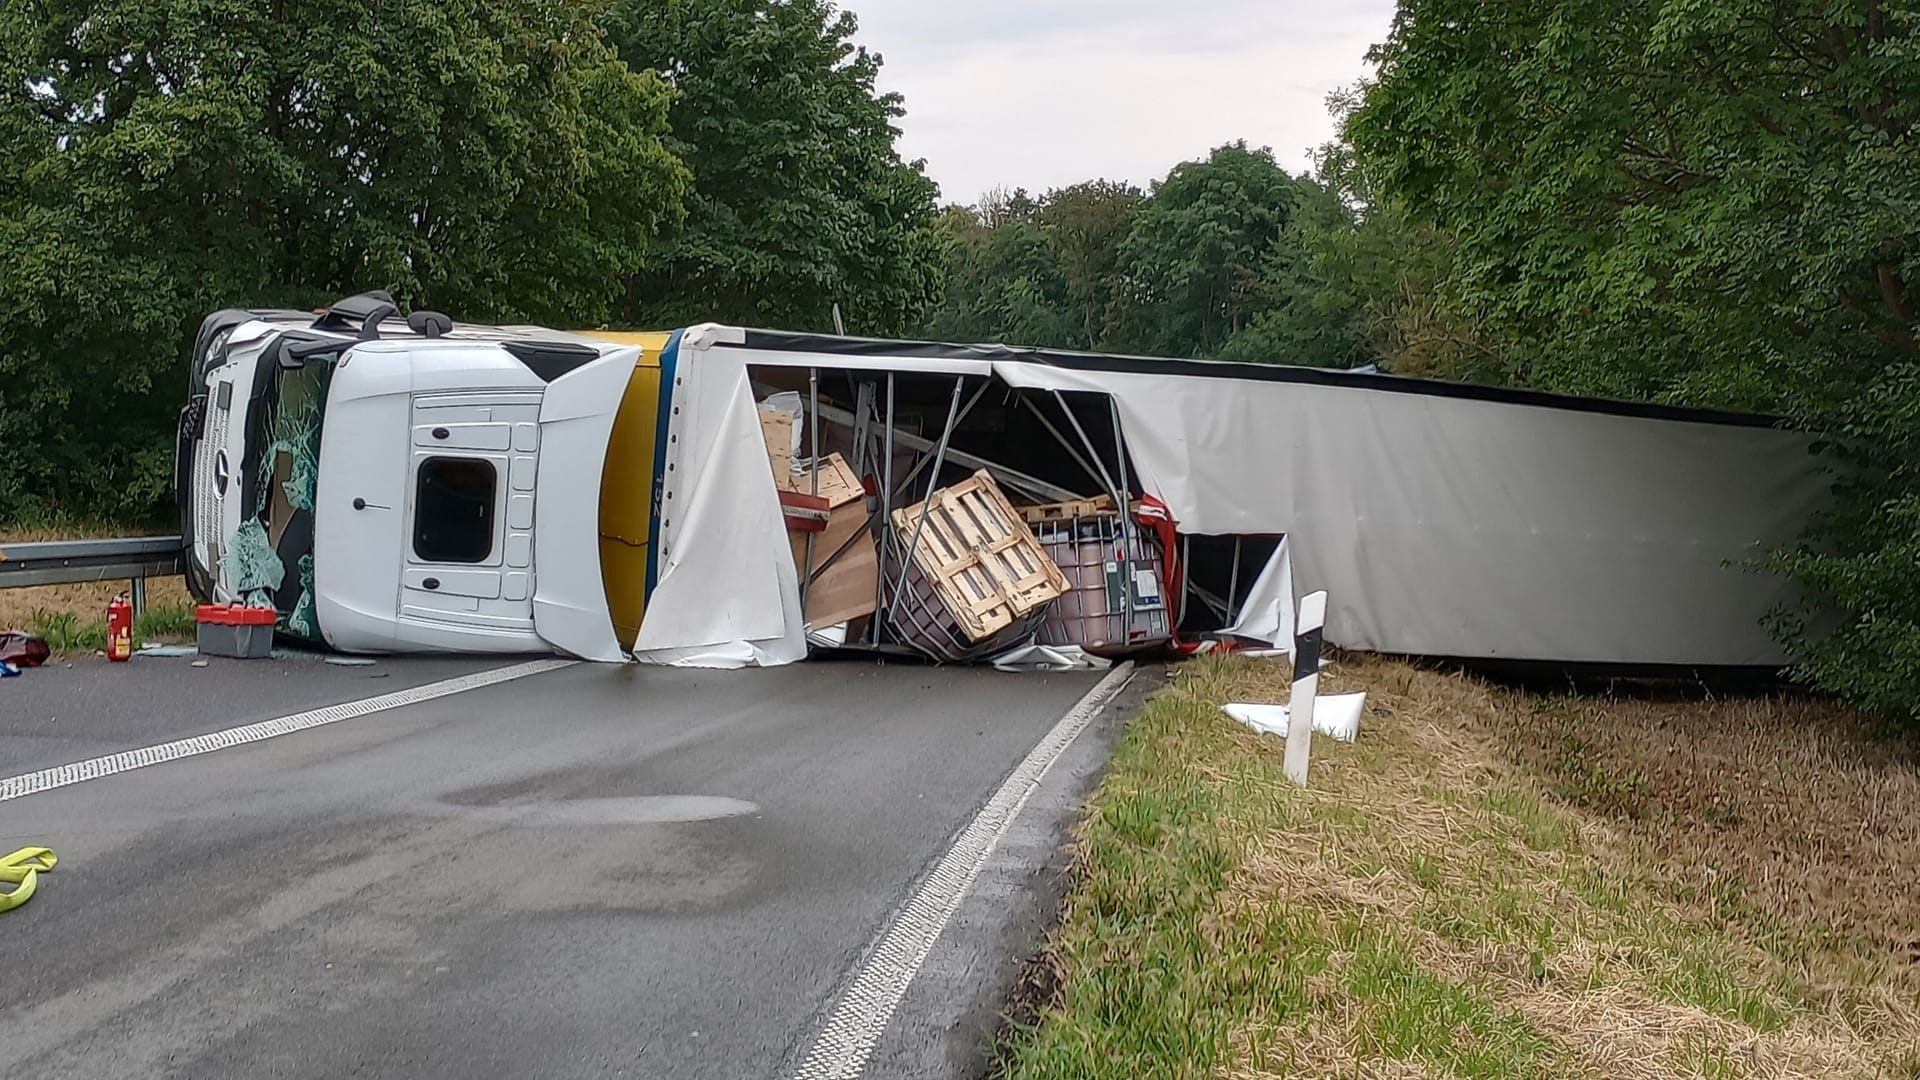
column 393, row 484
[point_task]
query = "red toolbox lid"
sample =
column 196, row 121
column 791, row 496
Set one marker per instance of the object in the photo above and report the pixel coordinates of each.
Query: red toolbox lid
column 234, row 614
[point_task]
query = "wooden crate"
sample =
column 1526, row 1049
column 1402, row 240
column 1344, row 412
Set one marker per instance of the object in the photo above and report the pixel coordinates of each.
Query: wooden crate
column 984, row 562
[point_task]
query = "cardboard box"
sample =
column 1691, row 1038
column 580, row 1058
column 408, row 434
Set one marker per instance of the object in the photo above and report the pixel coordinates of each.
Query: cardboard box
column 279, row 510
column 848, row 588
column 776, row 428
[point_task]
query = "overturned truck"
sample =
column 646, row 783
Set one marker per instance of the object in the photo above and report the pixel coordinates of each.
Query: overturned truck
column 718, row 496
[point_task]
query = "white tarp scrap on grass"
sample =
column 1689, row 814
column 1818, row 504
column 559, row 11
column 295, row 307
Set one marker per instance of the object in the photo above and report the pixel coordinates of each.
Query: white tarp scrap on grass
column 1336, row 715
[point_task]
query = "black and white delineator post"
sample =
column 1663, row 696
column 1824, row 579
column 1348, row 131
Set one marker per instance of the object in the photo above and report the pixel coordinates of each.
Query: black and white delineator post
column 1306, row 680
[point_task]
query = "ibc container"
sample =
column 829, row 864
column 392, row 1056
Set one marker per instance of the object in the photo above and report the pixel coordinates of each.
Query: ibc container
column 1110, row 575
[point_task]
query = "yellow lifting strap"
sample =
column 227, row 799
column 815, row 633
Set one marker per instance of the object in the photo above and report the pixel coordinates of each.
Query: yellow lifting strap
column 22, row 870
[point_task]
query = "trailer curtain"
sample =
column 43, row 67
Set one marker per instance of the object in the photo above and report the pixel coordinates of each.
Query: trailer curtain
column 1449, row 526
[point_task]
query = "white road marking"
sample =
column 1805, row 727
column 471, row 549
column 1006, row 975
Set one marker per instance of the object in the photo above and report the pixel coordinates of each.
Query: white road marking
column 854, row 1026
column 13, row 787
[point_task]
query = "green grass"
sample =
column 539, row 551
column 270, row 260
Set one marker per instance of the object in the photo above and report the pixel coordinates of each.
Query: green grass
column 67, row 634
column 1422, row 909
column 165, row 622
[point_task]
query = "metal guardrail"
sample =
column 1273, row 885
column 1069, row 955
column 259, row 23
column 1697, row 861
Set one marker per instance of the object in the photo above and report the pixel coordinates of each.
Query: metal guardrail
column 60, row 562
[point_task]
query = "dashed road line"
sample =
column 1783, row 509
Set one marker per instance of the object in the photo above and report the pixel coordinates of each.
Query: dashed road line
column 14, row 787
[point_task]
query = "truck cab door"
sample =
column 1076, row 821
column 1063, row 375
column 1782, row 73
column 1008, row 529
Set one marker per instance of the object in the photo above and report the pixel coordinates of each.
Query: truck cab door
column 469, row 521
column 570, row 608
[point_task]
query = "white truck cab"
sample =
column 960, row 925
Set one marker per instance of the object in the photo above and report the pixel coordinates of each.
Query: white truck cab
column 436, row 488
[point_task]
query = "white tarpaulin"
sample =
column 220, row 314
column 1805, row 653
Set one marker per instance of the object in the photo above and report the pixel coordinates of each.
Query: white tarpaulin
column 728, row 594
column 1267, row 613
column 1337, row 715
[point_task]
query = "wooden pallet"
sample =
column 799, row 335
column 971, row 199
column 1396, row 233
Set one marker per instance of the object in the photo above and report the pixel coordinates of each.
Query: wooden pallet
column 838, row 485
column 1061, row 511
column 984, row 562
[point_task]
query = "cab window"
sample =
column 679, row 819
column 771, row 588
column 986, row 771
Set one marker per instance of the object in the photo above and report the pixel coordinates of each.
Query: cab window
column 453, row 510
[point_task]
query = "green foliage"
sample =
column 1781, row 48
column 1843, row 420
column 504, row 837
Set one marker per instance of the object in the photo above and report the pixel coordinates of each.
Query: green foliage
column 1349, row 284
column 1002, row 281
column 1710, row 203
column 799, row 198
column 489, row 157
column 1086, row 226
column 1102, row 265
column 164, row 622
column 66, row 634
column 1228, row 257
column 1194, row 255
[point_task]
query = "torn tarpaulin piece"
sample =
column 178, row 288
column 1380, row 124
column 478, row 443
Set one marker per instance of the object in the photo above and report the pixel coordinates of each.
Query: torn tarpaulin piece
column 1048, row 658
column 1337, row 715
column 1268, row 613
column 251, row 565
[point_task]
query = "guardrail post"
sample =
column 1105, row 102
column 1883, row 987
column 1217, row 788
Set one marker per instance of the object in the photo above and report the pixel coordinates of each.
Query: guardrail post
column 138, row 594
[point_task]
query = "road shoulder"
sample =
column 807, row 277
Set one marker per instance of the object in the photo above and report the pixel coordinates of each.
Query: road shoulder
column 948, row 1021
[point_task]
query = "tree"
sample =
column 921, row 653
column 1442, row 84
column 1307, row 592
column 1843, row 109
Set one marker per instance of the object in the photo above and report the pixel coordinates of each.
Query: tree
column 491, row 158
column 1085, row 225
column 1001, row 281
column 1195, row 252
column 1312, row 295
column 1001, row 205
column 1709, row 203
column 1355, row 280
column 800, row 197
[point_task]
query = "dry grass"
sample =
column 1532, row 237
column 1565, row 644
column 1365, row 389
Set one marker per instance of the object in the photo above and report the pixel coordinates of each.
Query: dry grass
column 83, row 603
column 1460, row 893
column 24, row 607
column 1787, row 816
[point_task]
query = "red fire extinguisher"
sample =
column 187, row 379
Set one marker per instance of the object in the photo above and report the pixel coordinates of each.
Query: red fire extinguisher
column 120, row 629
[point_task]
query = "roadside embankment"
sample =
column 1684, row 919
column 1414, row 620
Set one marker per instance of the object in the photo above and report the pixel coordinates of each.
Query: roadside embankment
column 1488, row 884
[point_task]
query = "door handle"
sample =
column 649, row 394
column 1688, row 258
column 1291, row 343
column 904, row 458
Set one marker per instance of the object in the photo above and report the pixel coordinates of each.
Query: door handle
column 362, row 504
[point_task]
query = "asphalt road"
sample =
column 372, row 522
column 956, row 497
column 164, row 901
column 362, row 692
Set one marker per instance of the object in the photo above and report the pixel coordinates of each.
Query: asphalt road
column 596, row 871
column 72, row 710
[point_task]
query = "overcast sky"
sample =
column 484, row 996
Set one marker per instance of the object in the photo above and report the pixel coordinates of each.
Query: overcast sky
column 1044, row 93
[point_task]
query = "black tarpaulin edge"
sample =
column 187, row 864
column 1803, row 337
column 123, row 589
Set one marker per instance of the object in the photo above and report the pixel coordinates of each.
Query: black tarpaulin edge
column 829, row 345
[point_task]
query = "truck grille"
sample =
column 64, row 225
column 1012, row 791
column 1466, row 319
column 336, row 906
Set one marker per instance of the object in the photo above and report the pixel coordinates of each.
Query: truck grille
column 206, row 497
